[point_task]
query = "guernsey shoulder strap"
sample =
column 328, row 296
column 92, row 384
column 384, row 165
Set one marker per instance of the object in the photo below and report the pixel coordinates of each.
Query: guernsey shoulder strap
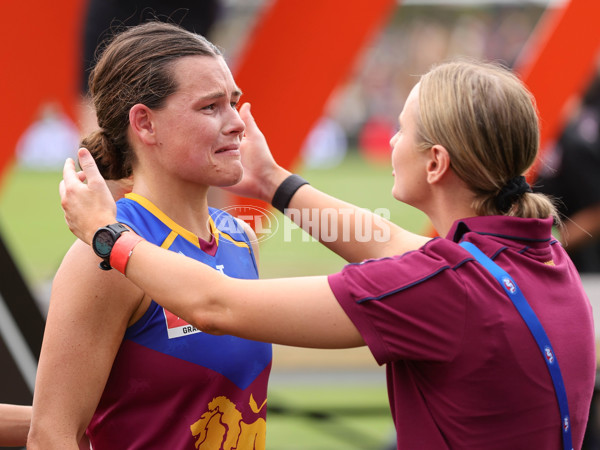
column 537, row 330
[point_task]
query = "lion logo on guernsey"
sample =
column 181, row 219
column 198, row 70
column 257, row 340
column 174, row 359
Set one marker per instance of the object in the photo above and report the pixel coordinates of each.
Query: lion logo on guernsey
column 509, row 285
column 222, row 427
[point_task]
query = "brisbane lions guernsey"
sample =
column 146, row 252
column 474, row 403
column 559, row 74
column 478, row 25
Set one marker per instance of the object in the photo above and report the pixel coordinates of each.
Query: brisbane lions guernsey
column 172, row 386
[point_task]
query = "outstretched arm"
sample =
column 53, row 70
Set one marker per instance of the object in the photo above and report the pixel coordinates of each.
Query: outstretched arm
column 342, row 227
column 296, row 311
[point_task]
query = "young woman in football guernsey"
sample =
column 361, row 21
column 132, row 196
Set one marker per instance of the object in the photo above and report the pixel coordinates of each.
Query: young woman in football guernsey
column 467, row 364
column 114, row 364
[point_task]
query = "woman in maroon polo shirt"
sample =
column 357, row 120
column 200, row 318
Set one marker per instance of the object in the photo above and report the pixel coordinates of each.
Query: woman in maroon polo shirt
column 464, row 370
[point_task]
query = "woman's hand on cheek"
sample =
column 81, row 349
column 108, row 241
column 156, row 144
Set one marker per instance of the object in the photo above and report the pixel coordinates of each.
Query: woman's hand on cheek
column 87, row 206
column 262, row 175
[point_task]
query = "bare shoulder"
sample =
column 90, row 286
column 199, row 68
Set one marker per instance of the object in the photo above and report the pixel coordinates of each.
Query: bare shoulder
column 80, row 281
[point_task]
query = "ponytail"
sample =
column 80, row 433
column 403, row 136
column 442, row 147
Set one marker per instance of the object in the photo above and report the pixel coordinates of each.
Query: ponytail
column 114, row 163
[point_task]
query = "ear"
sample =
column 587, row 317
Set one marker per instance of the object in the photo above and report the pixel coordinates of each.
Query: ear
column 142, row 124
column 438, row 164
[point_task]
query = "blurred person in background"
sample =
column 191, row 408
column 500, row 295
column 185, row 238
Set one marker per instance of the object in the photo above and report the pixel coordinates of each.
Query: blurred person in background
column 571, row 173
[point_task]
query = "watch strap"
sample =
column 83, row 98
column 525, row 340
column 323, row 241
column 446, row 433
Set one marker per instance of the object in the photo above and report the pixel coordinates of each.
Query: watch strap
column 118, row 227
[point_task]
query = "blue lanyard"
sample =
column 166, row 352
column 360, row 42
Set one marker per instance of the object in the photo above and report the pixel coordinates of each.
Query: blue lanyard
column 540, row 336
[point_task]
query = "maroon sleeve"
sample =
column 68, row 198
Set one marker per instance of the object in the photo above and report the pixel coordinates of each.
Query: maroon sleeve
column 407, row 307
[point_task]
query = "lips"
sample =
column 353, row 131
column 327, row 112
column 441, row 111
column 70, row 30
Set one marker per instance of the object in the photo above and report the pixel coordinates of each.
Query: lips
column 229, row 148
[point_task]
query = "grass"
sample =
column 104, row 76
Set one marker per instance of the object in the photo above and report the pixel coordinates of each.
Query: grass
column 333, row 412
column 32, row 222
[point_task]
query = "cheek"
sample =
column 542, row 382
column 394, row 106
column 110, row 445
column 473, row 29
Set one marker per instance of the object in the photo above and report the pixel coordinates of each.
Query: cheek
column 395, row 158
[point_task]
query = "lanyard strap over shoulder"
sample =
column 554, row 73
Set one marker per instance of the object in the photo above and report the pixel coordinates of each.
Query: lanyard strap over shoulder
column 540, row 336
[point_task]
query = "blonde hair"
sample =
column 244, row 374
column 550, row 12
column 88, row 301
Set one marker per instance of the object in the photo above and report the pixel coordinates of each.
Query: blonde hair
column 487, row 120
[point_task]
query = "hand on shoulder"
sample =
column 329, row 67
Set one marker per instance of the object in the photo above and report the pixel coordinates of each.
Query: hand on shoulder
column 87, row 206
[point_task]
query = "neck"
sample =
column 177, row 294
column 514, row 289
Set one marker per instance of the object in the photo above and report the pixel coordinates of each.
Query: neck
column 185, row 204
column 447, row 206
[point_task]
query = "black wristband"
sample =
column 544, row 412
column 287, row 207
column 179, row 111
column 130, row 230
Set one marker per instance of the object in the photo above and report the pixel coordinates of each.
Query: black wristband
column 286, row 190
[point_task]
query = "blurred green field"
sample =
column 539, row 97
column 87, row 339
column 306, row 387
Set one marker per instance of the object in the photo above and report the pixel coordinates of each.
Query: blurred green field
column 329, row 417
column 32, row 223
column 330, row 413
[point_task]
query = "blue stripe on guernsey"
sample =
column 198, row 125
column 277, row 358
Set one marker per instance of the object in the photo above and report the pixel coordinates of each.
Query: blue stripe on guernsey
column 239, row 360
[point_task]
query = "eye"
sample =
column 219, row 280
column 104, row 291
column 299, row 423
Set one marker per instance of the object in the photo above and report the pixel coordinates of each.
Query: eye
column 210, row 107
column 235, row 104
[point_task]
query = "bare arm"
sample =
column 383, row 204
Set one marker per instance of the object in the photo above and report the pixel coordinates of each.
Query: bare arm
column 14, row 425
column 89, row 312
column 317, row 213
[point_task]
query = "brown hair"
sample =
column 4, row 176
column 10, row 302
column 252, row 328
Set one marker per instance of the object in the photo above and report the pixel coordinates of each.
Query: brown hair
column 135, row 67
column 487, row 120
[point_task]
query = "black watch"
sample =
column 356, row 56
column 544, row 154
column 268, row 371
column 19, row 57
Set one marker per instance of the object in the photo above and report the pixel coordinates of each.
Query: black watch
column 103, row 241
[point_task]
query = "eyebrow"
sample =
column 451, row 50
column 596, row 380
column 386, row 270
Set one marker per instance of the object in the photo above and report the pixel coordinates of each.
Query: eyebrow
column 219, row 94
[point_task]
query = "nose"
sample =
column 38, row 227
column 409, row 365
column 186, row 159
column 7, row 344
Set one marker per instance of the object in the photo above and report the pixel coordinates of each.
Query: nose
column 235, row 123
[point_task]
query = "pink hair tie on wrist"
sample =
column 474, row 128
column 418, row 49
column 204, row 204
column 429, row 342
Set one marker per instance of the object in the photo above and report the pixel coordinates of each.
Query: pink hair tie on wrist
column 122, row 250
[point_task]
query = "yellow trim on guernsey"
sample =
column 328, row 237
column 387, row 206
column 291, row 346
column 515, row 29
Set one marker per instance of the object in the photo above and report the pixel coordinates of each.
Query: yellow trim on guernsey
column 169, row 240
column 178, row 229
column 229, row 238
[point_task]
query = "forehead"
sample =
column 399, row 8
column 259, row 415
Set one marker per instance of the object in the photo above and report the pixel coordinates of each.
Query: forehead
column 411, row 104
column 199, row 75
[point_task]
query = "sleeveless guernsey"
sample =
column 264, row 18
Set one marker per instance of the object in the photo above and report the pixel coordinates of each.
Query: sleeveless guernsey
column 172, row 386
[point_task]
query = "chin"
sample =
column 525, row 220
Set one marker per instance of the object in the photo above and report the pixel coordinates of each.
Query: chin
column 231, row 179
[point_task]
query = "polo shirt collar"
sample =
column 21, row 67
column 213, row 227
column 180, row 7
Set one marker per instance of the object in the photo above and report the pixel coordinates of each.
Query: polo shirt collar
column 512, row 228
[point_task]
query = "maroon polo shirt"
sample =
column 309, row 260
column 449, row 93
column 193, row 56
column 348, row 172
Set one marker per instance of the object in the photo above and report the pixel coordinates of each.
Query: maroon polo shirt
column 463, row 369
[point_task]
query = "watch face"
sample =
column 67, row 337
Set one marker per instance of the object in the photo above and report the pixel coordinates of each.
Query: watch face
column 103, row 242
